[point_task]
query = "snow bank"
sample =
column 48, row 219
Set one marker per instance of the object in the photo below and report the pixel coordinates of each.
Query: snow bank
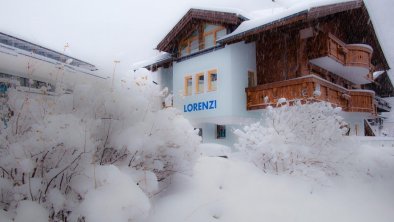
column 29, row 210
column 238, row 191
column 115, row 198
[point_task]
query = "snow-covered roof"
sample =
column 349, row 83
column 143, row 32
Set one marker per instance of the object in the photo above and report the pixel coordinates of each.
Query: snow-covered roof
column 21, row 44
column 155, row 61
column 240, row 13
column 377, row 74
column 269, row 17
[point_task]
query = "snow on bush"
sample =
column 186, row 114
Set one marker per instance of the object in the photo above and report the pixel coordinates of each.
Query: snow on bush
column 29, row 210
column 291, row 137
column 114, row 197
column 54, row 150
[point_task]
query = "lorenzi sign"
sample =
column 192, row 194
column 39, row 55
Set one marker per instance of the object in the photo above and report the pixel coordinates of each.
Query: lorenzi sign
column 192, row 107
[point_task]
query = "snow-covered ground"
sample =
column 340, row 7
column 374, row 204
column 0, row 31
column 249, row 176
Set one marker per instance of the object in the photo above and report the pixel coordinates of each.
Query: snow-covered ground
column 105, row 154
column 231, row 190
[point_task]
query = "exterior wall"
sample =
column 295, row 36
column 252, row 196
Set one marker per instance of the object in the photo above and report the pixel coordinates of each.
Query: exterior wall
column 164, row 78
column 232, row 64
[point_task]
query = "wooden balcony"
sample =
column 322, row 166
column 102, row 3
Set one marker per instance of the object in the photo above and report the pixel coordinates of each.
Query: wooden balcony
column 310, row 88
column 350, row 61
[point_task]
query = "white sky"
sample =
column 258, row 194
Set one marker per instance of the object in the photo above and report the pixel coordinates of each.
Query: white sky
column 101, row 31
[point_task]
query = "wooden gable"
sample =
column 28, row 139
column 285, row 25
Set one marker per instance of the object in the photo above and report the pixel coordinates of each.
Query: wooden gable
column 190, row 22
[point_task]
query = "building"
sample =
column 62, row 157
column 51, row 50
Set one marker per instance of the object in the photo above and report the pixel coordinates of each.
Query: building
column 30, row 67
column 225, row 69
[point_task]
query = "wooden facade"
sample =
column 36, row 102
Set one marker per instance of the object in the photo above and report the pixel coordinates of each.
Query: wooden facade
column 310, row 89
column 308, row 46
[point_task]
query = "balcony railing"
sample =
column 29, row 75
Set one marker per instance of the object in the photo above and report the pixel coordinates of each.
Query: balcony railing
column 310, row 88
column 350, row 61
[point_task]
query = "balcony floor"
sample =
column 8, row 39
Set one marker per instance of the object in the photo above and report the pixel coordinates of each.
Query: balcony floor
column 357, row 75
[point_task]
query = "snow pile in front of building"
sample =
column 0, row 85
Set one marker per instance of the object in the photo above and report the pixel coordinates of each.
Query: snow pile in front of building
column 231, row 190
column 294, row 165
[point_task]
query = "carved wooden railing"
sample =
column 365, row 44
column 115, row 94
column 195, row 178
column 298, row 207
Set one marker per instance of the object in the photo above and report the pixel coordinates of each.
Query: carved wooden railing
column 310, row 88
column 356, row 55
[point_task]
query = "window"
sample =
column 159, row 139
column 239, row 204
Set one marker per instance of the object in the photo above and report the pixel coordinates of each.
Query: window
column 189, row 45
column 251, row 79
column 212, row 80
column 212, row 33
column 188, row 86
column 199, row 131
column 220, row 131
column 198, row 40
column 200, row 83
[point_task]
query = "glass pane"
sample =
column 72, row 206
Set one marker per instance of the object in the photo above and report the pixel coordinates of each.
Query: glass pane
column 183, row 49
column 189, row 86
column 213, row 80
column 221, row 33
column 194, row 46
column 209, row 41
column 201, row 84
column 209, row 27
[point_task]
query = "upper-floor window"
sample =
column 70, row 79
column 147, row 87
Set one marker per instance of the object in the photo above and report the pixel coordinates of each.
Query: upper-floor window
column 203, row 37
column 252, row 80
column 188, row 85
column 190, row 44
column 212, row 33
column 212, row 80
column 200, row 83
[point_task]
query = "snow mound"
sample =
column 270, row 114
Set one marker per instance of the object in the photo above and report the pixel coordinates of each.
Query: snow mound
column 231, row 191
column 29, row 210
column 116, row 198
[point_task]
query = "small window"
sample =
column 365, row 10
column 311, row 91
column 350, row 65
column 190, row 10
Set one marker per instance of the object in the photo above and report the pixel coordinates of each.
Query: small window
column 188, row 85
column 194, row 46
column 212, row 33
column 251, row 79
column 220, row 131
column 200, row 83
column 183, row 49
column 209, row 41
column 212, row 80
column 199, row 131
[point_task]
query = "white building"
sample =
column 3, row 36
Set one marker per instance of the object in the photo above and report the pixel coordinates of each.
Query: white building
column 29, row 67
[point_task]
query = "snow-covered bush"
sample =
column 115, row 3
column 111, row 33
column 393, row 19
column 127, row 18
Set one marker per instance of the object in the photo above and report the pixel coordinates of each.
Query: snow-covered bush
column 53, row 149
column 291, row 137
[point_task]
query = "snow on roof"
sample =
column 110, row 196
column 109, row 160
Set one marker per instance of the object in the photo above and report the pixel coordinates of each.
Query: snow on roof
column 377, row 74
column 22, row 44
column 265, row 17
column 240, row 13
column 162, row 58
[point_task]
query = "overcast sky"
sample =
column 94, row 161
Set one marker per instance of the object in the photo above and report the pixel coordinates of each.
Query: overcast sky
column 101, row 31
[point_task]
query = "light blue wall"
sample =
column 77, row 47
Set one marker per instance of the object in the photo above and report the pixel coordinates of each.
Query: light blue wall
column 232, row 64
column 165, row 78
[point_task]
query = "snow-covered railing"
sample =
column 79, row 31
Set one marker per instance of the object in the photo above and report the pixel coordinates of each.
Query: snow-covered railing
column 382, row 104
column 310, row 88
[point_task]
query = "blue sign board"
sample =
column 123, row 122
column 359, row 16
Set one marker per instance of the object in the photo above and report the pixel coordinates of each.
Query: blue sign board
column 199, row 106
